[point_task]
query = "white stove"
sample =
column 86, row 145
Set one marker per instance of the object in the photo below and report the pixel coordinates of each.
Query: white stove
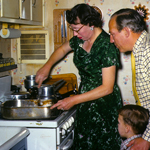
column 56, row 134
column 47, row 134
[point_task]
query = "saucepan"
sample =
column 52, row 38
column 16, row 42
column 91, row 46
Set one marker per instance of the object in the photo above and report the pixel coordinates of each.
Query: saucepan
column 29, row 82
column 47, row 91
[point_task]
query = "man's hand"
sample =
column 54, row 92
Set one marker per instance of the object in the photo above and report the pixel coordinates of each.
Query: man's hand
column 139, row 144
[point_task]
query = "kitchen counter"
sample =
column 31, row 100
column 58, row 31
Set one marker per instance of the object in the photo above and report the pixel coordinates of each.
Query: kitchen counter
column 13, row 138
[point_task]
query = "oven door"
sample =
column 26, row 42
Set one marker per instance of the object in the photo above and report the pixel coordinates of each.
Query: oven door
column 67, row 144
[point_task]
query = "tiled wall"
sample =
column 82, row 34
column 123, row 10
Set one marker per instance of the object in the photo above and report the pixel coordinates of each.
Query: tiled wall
column 108, row 7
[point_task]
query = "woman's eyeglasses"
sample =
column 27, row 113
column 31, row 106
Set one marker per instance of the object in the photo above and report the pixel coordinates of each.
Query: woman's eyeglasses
column 76, row 30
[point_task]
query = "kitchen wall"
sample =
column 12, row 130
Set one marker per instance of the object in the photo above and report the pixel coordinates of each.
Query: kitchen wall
column 108, row 7
column 5, row 49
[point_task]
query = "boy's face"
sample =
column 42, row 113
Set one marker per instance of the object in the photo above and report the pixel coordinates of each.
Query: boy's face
column 121, row 126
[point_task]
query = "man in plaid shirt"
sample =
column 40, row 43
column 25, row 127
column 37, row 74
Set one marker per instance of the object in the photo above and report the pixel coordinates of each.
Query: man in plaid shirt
column 128, row 32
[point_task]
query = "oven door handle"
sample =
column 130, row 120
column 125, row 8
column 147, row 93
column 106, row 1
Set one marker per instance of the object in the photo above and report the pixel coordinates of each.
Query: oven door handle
column 67, row 145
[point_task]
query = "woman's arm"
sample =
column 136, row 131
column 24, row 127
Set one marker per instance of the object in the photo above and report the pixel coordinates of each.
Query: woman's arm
column 108, row 80
column 58, row 54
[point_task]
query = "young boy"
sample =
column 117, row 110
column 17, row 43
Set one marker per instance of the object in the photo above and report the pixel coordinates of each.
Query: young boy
column 132, row 122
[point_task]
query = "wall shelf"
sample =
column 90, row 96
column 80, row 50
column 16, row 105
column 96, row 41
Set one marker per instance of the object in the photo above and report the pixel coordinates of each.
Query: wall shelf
column 7, row 68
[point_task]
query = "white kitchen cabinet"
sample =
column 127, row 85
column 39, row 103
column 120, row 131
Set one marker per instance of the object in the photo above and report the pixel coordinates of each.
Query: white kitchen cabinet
column 25, row 9
column 37, row 10
column 27, row 12
column 10, row 9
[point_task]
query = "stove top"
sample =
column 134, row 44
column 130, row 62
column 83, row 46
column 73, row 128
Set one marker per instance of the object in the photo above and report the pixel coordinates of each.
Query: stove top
column 39, row 123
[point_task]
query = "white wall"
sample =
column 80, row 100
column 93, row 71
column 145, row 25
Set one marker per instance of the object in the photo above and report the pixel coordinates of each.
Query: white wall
column 108, row 7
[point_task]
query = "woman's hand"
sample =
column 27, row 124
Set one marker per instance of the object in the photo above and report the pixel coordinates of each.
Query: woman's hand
column 41, row 75
column 103, row 90
column 65, row 104
column 58, row 54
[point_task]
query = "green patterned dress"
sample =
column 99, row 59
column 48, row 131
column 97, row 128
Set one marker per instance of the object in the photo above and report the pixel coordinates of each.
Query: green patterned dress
column 96, row 121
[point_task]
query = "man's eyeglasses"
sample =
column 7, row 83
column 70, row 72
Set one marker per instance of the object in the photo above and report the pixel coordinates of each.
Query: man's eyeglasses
column 76, row 30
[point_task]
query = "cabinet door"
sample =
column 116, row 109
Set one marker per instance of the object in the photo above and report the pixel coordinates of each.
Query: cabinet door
column 10, row 8
column 25, row 9
column 37, row 10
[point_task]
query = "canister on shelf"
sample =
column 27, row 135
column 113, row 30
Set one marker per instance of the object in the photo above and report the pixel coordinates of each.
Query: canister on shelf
column 1, row 63
column 4, row 62
column 7, row 62
column 12, row 62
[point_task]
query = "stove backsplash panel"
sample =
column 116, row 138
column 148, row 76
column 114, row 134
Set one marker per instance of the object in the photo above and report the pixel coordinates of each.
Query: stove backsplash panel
column 5, row 87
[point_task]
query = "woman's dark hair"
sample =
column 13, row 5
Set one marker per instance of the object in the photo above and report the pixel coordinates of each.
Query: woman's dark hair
column 135, row 116
column 129, row 18
column 87, row 15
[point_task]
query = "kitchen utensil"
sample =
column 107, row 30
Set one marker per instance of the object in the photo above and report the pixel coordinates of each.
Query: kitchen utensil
column 57, row 28
column 65, row 26
column 62, row 28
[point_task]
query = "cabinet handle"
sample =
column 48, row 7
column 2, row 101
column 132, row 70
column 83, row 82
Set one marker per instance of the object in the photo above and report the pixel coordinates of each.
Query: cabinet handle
column 34, row 3
column 67, row 145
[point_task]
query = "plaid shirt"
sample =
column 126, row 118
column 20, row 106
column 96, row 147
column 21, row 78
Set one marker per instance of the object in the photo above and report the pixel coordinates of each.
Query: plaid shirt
column 127, row 141
column 141, row 52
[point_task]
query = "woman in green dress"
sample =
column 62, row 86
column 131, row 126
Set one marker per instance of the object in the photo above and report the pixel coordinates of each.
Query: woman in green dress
column 99, row 96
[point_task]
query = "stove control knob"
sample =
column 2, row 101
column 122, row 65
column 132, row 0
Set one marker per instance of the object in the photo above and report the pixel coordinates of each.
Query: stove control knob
column 72, row 119
column 67, row 125
column 63, row 132
column 64, row 127
column 70, row 122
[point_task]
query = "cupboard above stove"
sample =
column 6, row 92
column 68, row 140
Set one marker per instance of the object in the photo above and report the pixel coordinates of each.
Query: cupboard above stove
column 26, row 12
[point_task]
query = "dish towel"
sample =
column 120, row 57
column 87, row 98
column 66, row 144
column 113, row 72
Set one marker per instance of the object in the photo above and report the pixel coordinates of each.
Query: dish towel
column 134, row 80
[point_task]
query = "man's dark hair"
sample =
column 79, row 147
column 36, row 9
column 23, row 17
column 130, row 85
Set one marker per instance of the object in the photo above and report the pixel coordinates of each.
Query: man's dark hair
column 129, row 18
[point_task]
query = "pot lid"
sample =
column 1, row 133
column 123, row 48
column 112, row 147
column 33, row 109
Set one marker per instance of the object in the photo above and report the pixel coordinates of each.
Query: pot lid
column 21, row 93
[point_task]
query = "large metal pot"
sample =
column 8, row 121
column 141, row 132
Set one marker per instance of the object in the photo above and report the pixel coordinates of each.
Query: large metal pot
column 36, row 108
column 28, row 109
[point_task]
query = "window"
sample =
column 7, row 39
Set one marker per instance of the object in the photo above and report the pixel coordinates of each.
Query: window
column 33, row 46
